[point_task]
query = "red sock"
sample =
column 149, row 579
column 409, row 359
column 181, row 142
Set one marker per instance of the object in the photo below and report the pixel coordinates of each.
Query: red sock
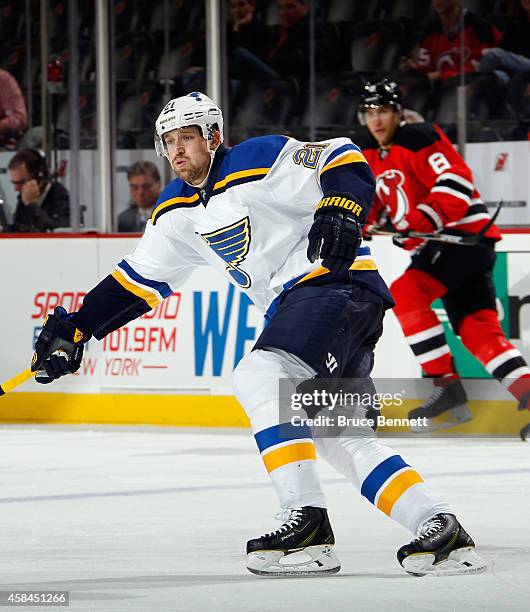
column 414, row 292
column 482, row 335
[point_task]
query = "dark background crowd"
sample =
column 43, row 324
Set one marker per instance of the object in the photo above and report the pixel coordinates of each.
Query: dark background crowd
column 292, row 66
column 424, row 45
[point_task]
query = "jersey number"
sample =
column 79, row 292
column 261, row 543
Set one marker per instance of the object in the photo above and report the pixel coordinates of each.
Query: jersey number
column 309, row 155
column 439, row 162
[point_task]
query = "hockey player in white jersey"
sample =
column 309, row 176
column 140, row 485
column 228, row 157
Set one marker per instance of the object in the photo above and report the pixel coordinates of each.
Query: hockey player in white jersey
column 282, row 220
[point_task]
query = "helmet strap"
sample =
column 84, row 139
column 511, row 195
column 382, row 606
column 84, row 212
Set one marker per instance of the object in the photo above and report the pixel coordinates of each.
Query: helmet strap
column 212, row 157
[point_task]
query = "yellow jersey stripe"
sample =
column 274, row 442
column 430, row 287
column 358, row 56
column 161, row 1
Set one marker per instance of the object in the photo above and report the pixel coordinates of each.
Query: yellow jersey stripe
column 170, row 202
column 316, row 272
column 349, row 158
column 363, row 264
column 151, row 299
column 241, row 174
column 289, row 454
column 395, row 489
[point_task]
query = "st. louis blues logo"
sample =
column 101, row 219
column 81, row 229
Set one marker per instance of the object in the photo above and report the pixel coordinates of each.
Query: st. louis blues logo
column 231, row 244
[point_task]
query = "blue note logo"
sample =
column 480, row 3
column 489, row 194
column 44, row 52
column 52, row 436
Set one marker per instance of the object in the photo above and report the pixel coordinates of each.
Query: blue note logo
column 232, row 244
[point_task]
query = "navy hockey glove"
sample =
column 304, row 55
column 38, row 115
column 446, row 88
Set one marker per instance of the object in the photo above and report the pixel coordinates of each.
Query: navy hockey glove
column 59, row 348
column 336, row 233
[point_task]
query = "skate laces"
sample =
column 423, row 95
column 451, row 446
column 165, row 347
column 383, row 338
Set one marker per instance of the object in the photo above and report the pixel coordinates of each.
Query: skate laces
column 290, row 516
column 429, row 529
column 438, row 391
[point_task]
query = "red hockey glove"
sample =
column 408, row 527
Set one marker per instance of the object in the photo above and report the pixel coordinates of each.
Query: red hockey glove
column 409, row 244
column 420, row 220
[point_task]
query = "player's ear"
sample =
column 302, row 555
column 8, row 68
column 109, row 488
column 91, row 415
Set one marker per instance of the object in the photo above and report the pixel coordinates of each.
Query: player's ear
column 216, row 140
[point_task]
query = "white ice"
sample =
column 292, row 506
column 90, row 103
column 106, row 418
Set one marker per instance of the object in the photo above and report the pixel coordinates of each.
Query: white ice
column 157, row 519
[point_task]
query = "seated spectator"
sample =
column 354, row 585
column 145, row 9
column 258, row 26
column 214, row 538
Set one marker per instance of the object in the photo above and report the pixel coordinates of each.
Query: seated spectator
column 13, row 115
column 245, row 29
column 42, row 204
column 512, row 56
column 289, row 52
column 248, row 40
column 4, row 223
column 144, row 185
column 438, row 50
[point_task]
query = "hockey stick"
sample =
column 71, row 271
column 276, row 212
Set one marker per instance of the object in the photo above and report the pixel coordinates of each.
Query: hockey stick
column 447, row 238
column 10, row 384
column 470, row 240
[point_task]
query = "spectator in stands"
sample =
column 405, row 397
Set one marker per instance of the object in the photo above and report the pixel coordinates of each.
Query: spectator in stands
column 144, row 185
column 437, row 52
column 289, row 52
column 42, row 204
column 13, row 115
column 247, row 41
column 245, row 28
column 512, row 56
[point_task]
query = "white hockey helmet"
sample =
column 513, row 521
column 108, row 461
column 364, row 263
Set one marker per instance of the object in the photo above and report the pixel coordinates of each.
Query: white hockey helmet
column 193, row 109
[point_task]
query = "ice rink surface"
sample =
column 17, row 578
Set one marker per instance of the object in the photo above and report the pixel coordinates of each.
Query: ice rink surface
column 157, row 519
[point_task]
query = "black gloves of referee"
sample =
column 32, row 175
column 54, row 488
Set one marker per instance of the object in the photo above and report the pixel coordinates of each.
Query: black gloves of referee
column 59, row 348
column 336, row 233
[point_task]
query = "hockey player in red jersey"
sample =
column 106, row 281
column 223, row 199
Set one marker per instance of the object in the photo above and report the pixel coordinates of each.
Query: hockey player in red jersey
column 424, row 185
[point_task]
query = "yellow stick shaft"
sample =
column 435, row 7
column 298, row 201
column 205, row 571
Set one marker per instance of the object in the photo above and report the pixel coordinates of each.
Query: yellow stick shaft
column 10, row 384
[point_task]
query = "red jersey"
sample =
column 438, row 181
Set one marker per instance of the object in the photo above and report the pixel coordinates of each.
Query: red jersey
column 441, row 51
column 423, row 172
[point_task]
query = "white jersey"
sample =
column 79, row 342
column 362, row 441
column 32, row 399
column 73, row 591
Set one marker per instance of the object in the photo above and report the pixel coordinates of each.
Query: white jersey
column 250, row 223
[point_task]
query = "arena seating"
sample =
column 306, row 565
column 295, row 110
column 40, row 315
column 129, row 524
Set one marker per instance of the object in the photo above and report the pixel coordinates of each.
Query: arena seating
column 369, row 38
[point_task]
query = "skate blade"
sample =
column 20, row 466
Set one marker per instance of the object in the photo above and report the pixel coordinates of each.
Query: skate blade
column 310, row 561
column 451, row 418
column 459, row 562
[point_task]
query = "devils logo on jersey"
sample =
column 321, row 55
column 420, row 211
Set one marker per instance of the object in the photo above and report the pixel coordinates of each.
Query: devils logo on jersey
column 389, row 189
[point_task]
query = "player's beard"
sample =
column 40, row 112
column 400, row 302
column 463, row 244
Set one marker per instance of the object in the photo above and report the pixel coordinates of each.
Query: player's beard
column 192, row 173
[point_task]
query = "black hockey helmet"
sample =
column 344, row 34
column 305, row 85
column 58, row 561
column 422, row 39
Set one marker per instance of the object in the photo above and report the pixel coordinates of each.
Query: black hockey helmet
column 380, row 93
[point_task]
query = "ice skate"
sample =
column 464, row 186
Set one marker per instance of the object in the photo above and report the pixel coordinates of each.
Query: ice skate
column 445, row 408
column 524, row 402
column 443, row 549
column 302, row 546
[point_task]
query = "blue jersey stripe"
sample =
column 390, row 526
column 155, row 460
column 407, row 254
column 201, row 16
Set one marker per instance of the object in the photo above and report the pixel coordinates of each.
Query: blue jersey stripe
column 281, row 433
column 275, row 304
column 340, row 151
column 373, row 482
column 176, row 188
column 260, row 152
column 163, row 288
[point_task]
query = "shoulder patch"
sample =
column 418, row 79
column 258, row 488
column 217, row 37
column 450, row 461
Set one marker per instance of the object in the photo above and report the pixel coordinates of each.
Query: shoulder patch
column 248, row 161
column 416, row 136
